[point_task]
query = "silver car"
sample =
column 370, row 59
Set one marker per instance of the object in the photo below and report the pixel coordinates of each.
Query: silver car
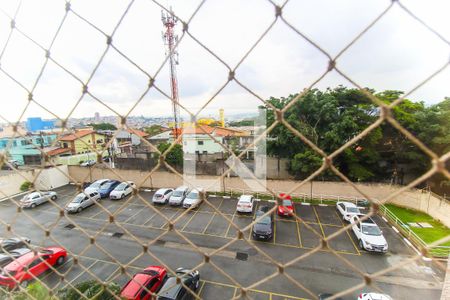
column 178, row 195
column 82, row 201
column 194, row 198
column 36, row 198
column 162, row 196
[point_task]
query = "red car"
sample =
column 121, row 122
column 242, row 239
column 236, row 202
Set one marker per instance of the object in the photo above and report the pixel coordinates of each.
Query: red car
column 148, row 280
column 286, row 208
column 25, row 268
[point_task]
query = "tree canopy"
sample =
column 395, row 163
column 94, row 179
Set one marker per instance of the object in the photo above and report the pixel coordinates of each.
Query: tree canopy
column 333, row 117
column 175, row 155
column 103, row 126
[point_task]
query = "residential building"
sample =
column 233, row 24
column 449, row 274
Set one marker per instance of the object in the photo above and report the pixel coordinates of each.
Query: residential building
column 37, row 124
column 163, row 137
column 205, row 140
column 83, row 141
column 23, row 147
column 130, row 141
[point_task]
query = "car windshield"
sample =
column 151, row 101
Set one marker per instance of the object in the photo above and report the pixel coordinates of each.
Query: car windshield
column 371, row 230
column 78, row 198
column 177, row 193
column 287, row 203
column 354, row 210
column 121, row 186
column 96, row 184
column 107, row 185
column 265, row 221
column 193, row 195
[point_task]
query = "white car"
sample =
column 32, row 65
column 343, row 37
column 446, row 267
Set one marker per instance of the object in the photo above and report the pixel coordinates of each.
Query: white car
column 122, row 190
column 369, row 235
column 88, row 163
column 347, row 210
column 245, row 204
column 82, row 201
column 95, row 186
column 178, row 195
column 162, row 196
column 373, row 296
column 194, row 198
column 37, row 198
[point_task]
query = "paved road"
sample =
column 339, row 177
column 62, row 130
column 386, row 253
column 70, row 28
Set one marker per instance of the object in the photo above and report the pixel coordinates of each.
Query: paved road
column 135, row 221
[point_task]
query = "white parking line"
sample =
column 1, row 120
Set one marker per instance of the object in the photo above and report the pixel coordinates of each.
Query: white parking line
column 395, row 229
column 384, row 219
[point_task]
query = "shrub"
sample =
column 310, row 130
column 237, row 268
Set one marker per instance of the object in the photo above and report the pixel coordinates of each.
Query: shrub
column 26, row 186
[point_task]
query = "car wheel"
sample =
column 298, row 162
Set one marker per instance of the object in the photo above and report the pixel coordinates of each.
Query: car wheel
column 24, row 283
column 361, row 245
column 54, row 197
column 122, row 196
column 33, row 205
column 79, row 209
column 60, row 260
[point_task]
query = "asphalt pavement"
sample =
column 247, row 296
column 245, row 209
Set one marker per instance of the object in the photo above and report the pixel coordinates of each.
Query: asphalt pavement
column 104, row 236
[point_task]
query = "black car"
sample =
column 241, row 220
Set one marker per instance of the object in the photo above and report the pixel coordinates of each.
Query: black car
column 6, row 258
column 171, row 290
column 263, row 227
column 13, row 243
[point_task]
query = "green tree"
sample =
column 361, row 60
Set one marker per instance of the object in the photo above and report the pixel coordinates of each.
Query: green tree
column 328, row 119
column 242, row 123
column 90, row 289
column 175, row 155
column 103, row 126
column 154, row 129
column 305, row 163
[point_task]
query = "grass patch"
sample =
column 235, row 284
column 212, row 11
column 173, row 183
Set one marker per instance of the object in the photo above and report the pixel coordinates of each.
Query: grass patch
column 428, row 235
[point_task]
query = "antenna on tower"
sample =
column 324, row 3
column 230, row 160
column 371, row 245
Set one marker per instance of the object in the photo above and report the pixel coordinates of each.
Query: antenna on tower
column 170, row 39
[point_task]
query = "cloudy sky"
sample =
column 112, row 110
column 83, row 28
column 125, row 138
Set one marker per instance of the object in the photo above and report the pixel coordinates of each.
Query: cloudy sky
column 397, row 53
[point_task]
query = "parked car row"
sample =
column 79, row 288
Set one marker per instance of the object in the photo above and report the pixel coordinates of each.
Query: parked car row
column 181, row 196
column 154, row 280
column 19, row 265
column 369, row 235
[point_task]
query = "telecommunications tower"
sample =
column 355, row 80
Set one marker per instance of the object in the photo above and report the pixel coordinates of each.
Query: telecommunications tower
column 170, row 40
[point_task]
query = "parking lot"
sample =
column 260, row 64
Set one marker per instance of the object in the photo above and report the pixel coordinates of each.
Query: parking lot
column 136, row 219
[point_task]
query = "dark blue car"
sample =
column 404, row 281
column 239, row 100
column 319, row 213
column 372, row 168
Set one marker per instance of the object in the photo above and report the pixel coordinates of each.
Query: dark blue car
column 107, row 188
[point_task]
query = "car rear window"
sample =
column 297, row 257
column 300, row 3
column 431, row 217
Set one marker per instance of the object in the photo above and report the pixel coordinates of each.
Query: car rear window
column 287, row 203
column 353, row 210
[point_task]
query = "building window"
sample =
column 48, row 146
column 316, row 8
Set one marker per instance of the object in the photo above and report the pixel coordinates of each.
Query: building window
column 199, row 143
column 205, row 152
column 65, row 145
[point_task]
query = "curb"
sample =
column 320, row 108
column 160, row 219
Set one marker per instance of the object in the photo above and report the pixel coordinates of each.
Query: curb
column 12, row 196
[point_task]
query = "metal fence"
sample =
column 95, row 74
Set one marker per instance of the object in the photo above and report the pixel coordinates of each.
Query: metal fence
column 243, row 290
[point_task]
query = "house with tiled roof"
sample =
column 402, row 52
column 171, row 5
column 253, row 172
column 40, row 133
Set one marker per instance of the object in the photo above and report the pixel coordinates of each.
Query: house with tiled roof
column 206, row 140
column 83, row 141
column 129, row 141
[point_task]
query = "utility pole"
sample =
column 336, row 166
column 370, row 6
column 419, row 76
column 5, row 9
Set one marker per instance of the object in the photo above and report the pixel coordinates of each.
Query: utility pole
column 170, row 40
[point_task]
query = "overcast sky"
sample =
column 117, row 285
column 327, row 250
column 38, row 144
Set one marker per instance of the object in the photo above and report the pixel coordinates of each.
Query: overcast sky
column 397, row 53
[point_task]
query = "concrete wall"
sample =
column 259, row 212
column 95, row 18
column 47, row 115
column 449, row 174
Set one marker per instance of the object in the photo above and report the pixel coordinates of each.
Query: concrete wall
column 46, row 179
column 413, row 198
